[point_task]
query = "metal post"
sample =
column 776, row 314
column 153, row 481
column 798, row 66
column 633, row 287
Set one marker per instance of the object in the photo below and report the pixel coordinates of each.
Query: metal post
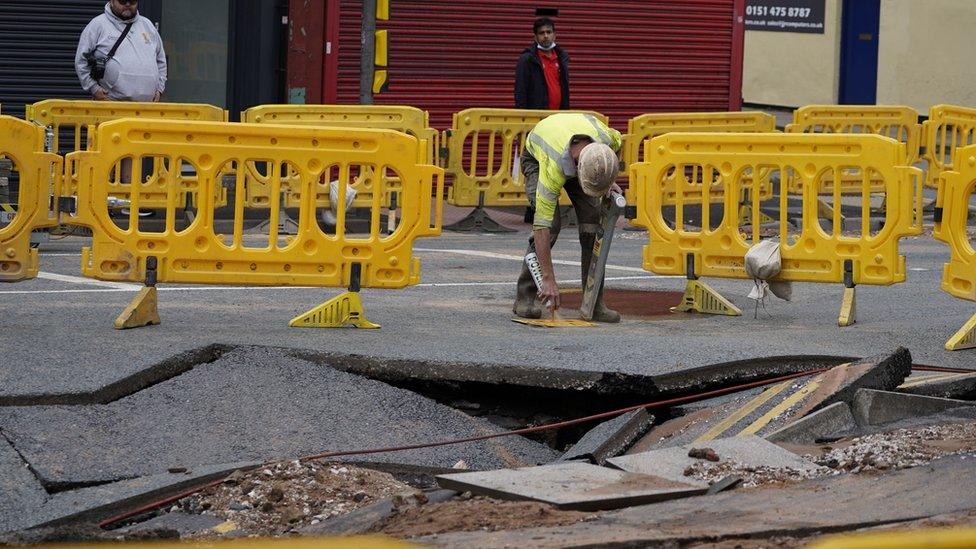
column 368, row 40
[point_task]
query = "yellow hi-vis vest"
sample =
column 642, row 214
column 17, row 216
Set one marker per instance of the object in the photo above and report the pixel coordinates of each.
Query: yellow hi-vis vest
column 548, row 142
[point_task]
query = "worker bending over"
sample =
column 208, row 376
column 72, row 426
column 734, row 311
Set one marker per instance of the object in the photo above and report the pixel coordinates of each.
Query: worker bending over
column 578, row 153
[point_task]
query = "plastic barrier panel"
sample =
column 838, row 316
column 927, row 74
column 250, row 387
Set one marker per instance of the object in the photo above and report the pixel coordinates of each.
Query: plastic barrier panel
column 483, row 145
column 69, row 122
column 708, row 241
column 948, row 128
column 897, row 122
column 202, row 253
column 954, row 205
column 29, row 178
column 645, row 127
column 409, row 120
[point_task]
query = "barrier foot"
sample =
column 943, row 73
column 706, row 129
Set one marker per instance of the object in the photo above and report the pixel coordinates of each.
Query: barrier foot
column 965, row 338
column 825, row 211
column 478, row 221
column 701, row 298
column 344, row 309
column 745, row 216
column 848, row 307
column 141, row 311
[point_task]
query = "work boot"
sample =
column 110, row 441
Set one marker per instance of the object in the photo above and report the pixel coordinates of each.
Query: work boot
column 601, row 313
column 526, row 304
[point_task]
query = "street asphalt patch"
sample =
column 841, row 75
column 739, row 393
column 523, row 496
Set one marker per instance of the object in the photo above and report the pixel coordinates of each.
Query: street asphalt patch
column 250, row 404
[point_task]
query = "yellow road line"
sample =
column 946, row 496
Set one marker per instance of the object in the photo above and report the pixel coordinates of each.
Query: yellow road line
column 750, row 406
column 781, row 407
column 932, row 378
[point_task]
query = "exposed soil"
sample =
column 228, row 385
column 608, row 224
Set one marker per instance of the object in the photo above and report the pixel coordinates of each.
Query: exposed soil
column 466, row 513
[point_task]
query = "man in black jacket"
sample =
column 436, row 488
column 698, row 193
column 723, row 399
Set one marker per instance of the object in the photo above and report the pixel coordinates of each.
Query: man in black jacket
column 542, row 76
column 542, row 73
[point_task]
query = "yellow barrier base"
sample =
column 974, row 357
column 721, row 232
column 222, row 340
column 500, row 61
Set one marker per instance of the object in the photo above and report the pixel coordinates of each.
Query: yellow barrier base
column 701, row 298
column 848, row 309
column 965, row 338
column 745, row 216
column 554, row 322
column 141, row 311
column 343, row 309
column 825, row 211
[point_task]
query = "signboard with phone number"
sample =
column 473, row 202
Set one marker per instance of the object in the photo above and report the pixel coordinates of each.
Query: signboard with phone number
column 805, row 16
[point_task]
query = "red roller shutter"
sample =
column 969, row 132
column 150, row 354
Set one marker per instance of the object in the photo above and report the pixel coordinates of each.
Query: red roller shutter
column 627, row 56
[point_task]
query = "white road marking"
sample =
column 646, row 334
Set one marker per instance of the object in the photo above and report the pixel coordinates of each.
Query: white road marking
column 88, row 281
column 122, row 287
column 493, row 255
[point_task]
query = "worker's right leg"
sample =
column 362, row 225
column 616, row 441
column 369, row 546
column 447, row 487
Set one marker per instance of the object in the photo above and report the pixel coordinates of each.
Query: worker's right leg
column 526, row 293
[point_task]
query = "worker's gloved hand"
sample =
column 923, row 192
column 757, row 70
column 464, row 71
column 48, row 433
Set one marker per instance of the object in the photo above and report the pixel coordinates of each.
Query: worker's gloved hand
column 614, row 188
column 549, row 293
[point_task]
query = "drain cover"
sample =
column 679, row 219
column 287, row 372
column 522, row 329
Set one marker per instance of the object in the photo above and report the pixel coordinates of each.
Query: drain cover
column 628, row 302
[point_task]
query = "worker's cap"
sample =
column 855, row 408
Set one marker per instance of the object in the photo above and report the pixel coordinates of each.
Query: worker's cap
column 597, row 169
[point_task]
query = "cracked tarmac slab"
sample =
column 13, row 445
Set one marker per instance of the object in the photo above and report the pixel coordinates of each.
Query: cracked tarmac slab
column 250, row 404
column 20, row 491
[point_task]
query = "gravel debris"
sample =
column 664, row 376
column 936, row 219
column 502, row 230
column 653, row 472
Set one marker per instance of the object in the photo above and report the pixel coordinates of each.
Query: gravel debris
column 277, row 499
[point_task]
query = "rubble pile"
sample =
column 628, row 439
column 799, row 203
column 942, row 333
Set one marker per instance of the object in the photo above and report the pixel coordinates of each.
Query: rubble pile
column 900, row 449
column 751, row 476
column 280, row 498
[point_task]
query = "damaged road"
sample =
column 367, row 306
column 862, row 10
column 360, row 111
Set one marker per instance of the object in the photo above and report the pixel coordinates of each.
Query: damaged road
column 839, row 430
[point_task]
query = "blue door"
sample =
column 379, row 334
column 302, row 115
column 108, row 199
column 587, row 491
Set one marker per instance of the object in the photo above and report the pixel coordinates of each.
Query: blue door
column 859, row 52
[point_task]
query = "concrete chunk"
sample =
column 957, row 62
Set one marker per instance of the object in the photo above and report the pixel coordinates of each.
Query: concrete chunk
column 877, row 407
column 571, row 485
column 962, row 386
column 823, row 422
column 750, row 451
column 182, row 523
column 611, row 438
column 840, row 383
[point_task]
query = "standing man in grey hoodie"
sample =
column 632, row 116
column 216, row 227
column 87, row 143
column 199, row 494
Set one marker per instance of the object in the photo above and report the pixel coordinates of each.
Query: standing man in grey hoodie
column 137, row 71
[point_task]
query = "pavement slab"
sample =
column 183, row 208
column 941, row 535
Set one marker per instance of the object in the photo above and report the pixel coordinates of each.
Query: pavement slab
column 250, row 404
column 779, row 404
column 830, row 504
column 610, row 438
column 750, row 451
column 571, row 485
column 809, row 428
column 95, row 503
column 20, row 492
column 877, row 407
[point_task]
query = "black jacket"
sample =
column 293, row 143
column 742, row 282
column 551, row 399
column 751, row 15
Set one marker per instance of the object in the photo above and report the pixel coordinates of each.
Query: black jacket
column 530, row 82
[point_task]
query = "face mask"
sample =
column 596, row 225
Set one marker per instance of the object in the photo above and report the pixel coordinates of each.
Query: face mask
column 543, row 48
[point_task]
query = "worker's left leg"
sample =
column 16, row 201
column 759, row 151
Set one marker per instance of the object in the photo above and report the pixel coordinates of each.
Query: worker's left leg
column 588, row 213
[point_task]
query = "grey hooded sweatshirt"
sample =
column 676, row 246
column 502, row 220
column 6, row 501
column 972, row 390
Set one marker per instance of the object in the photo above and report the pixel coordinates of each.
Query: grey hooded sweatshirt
column 138, row 69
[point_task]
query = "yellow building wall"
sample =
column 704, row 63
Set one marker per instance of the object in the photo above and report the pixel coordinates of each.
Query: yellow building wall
column 924, row 53
column 794, row 69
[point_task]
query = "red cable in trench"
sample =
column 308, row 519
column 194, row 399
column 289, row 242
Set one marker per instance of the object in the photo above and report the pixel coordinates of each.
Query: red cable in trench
column 657, row 404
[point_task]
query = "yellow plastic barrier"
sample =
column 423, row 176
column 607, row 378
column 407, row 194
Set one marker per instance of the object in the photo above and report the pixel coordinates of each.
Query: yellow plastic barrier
column 926, row 538
column 952, row 226
column 409, row 120
column 897, row 122
column 645, row 127
column 948, row 128
column 199, row 254
column 39, row 179
column 79, row 117
column 483, row 145
column 812, row 254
